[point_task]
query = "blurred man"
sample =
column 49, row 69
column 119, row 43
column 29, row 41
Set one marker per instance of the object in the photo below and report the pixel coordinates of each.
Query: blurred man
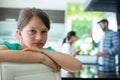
column 108, row 47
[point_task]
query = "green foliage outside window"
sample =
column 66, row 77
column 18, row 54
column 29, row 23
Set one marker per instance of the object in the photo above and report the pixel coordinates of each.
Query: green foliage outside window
column 81, row 27
column 81, row 20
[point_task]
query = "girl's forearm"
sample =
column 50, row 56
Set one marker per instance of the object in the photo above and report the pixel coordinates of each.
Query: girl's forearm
column 66, row 61
column 20, row 56
column 27, row 57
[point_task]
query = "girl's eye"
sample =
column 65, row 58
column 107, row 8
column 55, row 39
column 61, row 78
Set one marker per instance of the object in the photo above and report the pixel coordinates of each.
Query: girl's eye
column 44, row 32
column 32, row 31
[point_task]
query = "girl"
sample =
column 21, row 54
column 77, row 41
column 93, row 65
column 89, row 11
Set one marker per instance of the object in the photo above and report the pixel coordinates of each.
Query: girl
column 33, row 26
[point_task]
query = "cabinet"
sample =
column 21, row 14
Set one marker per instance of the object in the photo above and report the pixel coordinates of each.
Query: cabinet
column 8, row 30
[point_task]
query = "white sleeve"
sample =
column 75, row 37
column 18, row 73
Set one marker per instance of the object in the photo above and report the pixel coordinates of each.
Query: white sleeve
column 66, row 49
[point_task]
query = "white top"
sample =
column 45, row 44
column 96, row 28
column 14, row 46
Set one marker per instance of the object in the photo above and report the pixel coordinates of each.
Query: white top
column 67, row 48
column 100, row 49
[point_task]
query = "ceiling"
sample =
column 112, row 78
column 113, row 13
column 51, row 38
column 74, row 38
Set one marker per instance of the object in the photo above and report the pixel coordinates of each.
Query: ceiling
column 102, row 5
column 43, row 4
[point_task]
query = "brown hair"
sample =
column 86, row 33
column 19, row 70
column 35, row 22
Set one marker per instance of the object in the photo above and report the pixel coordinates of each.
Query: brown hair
column 69, row 35
column 26, row 14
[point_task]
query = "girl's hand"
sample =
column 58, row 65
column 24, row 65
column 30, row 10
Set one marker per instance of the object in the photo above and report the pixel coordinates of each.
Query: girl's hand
column 76, row 52
column 47, row 60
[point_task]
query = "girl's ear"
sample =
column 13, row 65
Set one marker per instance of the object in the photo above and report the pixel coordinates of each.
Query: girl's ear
column 18, row 32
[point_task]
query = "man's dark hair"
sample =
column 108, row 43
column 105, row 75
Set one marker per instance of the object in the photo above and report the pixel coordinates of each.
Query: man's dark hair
column 103, row 21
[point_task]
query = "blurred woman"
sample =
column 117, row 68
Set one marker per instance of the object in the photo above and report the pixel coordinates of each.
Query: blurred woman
column 67, row 48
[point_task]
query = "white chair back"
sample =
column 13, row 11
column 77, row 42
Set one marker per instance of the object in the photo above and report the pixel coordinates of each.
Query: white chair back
column 20, row 71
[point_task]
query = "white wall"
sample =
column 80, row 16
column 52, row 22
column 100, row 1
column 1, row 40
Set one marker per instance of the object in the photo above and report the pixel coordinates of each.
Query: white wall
column 112, row 25
column 56, row 36
column 54, row 44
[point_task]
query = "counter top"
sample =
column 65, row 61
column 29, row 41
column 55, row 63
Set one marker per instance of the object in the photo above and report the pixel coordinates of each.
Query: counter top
column 90, row 71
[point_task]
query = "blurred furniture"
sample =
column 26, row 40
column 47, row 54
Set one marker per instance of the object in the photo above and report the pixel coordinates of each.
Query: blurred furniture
column 20, row 71
column 87, row 59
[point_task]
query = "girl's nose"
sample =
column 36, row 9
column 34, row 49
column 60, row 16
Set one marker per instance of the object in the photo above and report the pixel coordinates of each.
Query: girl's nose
column 38, row 37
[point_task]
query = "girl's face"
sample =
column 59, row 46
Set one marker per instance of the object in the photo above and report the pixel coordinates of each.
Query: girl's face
column 34, row 34
column 75, row 38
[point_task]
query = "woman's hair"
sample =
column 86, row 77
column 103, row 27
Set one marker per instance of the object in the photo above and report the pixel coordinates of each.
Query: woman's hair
column 69, row 35
column 26, row 14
